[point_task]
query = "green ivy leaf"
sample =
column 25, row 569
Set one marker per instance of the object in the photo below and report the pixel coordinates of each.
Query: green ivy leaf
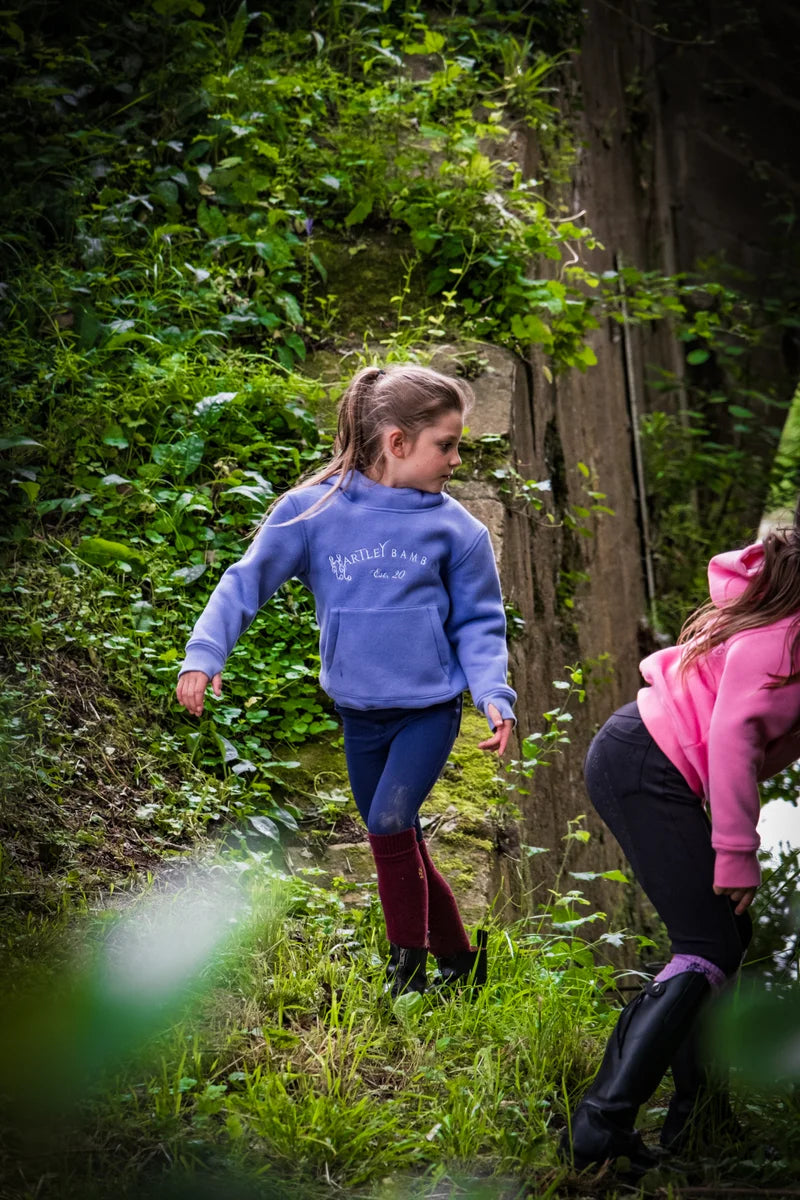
column 211, row 220
column 167, row 192
column 359, row 212
column 101, row 552
column 266, row 827
column 180, row 458
column 615, row 876
column 189, row 574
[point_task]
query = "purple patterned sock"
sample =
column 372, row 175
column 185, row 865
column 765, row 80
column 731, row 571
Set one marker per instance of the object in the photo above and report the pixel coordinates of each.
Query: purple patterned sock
column 679, row 963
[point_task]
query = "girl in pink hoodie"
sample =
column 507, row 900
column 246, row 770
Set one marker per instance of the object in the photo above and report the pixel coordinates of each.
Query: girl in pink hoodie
column 720, row 713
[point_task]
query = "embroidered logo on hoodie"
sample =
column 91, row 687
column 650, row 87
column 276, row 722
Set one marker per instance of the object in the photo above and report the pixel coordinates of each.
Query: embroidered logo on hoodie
column 341, row 562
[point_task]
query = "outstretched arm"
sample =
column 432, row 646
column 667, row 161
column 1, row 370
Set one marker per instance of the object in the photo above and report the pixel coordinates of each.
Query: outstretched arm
column 276, row 554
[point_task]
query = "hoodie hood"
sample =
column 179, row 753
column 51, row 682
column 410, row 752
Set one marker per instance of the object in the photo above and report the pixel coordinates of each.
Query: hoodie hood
column 367, row 493
column 730, row 573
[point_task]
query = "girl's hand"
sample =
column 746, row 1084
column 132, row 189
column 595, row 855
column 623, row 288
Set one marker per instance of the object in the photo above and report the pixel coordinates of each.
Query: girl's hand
column 191, row 690
column 743, row 896
column 502, row 732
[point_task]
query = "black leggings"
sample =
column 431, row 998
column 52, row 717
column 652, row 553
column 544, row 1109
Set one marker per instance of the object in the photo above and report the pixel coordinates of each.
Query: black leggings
column 662, row 827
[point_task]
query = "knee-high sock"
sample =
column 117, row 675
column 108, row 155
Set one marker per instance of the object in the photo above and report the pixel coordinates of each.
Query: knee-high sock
column 446, row 932
column 402, row 887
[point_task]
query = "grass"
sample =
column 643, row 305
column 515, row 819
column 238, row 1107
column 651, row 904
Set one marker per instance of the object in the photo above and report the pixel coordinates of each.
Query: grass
column 293, row 1056
column 270, row 1063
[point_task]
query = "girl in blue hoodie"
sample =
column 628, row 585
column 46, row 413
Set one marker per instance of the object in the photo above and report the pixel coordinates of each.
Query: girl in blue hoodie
column 410, row 614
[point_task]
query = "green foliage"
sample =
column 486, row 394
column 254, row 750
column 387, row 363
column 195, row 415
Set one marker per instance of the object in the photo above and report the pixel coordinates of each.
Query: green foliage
column 181, row 175
column 784, row 483
column 287, row 1056
column 161, row 500
column 710, row 435
column 539, row 747
column 267, row 1050
column 206, row 232
column 529, row 496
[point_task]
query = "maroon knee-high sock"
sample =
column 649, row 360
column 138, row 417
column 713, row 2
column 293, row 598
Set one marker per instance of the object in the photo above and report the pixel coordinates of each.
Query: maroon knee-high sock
column 402, row 887
column 446, row 932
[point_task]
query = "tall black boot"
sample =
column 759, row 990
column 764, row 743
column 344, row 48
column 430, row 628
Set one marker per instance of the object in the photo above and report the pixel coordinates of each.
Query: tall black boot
column 410, row 973
column 700, row 1109
column 646, row 1036
column 467, row 967
column 391, row 966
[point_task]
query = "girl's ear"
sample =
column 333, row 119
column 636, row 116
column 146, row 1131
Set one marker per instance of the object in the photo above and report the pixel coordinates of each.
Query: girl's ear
column 396, row 443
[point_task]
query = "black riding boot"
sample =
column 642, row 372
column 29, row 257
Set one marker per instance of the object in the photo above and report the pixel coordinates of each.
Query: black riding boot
column 409, row 974
column 700, row 1109
column 391, row 966
column 467, row 967
column 645, row 1038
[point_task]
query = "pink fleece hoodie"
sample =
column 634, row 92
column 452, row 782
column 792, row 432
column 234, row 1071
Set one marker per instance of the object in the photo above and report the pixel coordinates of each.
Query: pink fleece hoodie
column 721, row 726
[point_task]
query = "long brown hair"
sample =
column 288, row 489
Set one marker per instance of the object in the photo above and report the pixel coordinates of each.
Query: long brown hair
column 772, row 594
column 402, row 396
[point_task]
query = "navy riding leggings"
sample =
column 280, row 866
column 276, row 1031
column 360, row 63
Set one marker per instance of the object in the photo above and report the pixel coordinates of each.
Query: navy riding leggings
column 394, row 757
column 664, row 831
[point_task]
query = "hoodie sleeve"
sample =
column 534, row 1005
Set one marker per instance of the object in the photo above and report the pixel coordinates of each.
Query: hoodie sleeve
column 747, row 716
column 476, row 627
column 277, row 552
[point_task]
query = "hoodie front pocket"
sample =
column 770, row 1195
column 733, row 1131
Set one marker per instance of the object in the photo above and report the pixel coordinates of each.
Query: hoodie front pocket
column 390, row 655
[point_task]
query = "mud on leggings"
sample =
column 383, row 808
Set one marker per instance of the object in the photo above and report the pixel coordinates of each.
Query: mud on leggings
column 394, row 757
column 664, row 831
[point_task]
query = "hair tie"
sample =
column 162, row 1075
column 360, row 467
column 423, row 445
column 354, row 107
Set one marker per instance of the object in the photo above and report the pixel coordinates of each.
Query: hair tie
column 381, row 371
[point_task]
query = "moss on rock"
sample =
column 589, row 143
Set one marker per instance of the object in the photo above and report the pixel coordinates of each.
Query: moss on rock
column 365, row 278
column 322, row 769
column 469, row 785
column 457, row 815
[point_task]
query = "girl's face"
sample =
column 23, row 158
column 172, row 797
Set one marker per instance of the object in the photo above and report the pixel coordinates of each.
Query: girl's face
column 426, row 462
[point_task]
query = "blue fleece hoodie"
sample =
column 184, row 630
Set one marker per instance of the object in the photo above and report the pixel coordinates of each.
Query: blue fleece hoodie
column 407, row 595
